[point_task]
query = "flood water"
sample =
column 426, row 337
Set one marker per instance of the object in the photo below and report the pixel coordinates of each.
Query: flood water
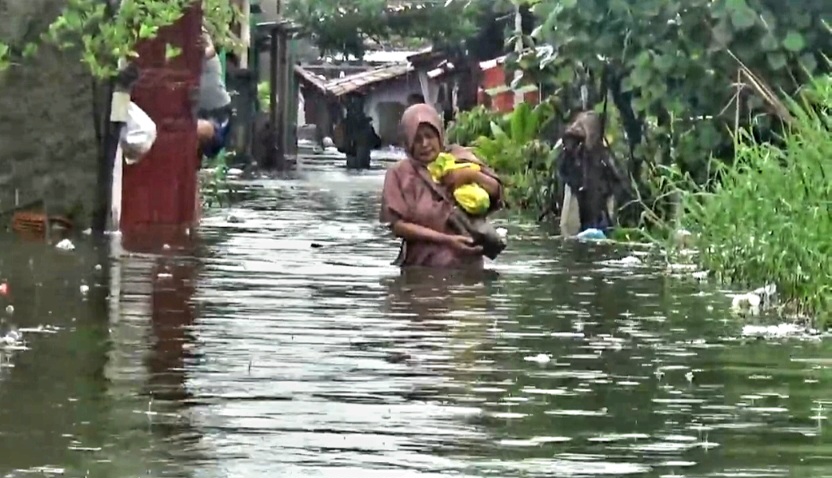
column 282, row 343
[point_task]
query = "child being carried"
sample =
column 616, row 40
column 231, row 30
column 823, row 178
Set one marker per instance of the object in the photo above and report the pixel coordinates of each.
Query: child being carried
column 474, row 201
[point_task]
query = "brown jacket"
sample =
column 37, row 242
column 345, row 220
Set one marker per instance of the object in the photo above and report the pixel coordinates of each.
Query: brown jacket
column 410, row 195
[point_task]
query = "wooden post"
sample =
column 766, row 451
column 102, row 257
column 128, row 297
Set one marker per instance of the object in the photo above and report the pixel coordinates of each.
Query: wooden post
column 108, row 142
column 272, row 153
column 284, row 102
column 279, row 68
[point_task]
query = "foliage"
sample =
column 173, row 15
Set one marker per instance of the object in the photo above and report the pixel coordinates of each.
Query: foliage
column 671, row 68
column 753, row 227
column 5, row 60
column 263, row 95
column 104, row 37
column 509, row 144
column 468, row 126
column 344, row 26
column 215, row 189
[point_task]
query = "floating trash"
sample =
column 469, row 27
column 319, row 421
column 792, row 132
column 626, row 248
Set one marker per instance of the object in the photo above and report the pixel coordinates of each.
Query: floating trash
column 65, row 245
column 539, row 358
column 779, row 331
column 591, row 235
column 746, row 304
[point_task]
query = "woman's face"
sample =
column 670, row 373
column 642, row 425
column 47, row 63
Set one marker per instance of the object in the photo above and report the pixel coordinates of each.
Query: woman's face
column 426, row 144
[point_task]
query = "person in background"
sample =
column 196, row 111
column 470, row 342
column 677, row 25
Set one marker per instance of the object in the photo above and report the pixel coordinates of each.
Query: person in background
column 214, row 106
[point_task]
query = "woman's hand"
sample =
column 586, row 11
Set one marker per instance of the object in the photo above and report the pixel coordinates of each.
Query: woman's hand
column 464, row 244
column 460, row 177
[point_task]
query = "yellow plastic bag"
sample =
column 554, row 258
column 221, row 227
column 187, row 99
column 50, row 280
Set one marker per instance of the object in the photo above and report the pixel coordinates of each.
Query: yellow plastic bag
column 445, row 163
column 473, row 199
column 470, row 197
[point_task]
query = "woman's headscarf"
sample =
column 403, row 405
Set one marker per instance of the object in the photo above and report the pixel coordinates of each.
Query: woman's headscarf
column 413, row 116
column 423, row 113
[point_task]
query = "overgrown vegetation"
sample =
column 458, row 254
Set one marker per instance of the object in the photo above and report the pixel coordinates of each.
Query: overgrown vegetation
column 345, row 26
column 681, row 79
column 766, row 218
column 102, row 35
column 680, row 75
column 215, row 188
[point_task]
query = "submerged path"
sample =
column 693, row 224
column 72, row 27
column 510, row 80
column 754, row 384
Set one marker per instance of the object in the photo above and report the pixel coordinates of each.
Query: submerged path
column 286, row 345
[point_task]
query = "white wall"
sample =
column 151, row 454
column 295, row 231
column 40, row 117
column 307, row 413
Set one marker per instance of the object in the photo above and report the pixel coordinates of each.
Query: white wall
column 393, row 91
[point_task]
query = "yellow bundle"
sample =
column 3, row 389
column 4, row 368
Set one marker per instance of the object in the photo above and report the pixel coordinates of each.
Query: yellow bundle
column 471, row 197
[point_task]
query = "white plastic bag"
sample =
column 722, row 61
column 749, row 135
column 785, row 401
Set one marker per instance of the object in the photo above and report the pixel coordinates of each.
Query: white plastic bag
column 138, row 135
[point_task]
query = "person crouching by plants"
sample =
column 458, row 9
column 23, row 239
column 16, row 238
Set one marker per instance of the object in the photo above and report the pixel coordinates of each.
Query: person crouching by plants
column 420, row 208
column 214, row 106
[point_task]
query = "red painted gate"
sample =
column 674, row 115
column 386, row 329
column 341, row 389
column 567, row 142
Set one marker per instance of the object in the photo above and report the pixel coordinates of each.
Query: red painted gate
column 161, row 190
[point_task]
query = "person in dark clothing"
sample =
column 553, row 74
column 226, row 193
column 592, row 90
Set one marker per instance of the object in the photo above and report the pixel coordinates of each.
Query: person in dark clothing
column 592, row 181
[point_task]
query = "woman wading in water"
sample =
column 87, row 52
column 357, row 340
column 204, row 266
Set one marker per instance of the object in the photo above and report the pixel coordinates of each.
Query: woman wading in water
column 419, row 210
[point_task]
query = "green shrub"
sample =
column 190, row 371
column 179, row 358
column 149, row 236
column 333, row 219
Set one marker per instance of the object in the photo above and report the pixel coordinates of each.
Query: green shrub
column 766, row 217
column 510, row 144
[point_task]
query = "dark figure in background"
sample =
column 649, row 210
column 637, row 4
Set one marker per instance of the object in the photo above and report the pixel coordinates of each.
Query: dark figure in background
column 415, row 99
column 592, row 181
column 360, row 138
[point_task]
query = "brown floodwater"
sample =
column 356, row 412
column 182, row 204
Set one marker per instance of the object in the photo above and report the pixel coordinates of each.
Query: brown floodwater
column 280, row 341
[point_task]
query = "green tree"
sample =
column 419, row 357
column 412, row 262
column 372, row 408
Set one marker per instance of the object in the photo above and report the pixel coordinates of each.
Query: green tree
column 345, row 26
column 676, row 70
column 103, row 36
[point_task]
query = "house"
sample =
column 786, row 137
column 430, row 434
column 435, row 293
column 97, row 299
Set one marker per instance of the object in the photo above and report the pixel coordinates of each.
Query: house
column 382, row 93
column 496, row 91
column 465, row 83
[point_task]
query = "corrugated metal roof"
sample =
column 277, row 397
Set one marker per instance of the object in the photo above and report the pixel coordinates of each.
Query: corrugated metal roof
column 317, row 81
column 355, row 83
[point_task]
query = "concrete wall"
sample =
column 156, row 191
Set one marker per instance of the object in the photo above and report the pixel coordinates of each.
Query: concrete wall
column 377, row 105
column 47, row 139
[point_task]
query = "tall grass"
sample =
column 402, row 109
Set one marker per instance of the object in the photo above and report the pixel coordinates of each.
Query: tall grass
column 766, row 217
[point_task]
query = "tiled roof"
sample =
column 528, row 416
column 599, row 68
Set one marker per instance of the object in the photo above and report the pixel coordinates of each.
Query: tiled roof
column 355, row 83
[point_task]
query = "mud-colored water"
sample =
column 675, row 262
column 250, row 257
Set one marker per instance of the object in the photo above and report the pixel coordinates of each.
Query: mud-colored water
column 282, row 343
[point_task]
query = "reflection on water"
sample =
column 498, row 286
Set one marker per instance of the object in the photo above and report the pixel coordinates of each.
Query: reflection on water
column 281, row 342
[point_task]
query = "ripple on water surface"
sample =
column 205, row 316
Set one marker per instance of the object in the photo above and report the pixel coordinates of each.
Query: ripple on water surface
column 307, row 354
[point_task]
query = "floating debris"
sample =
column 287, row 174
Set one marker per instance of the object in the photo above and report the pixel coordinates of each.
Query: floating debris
column 683, row 238
column 629, row 261
column 748, row 303
column 539, row 358
column 65, row 245
column 591, row 235
column 779, row 331
column 700, row 275
column 11, row 339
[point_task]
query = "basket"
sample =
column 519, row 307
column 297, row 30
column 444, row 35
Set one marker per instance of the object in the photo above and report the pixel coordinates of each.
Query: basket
column 33, row 224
